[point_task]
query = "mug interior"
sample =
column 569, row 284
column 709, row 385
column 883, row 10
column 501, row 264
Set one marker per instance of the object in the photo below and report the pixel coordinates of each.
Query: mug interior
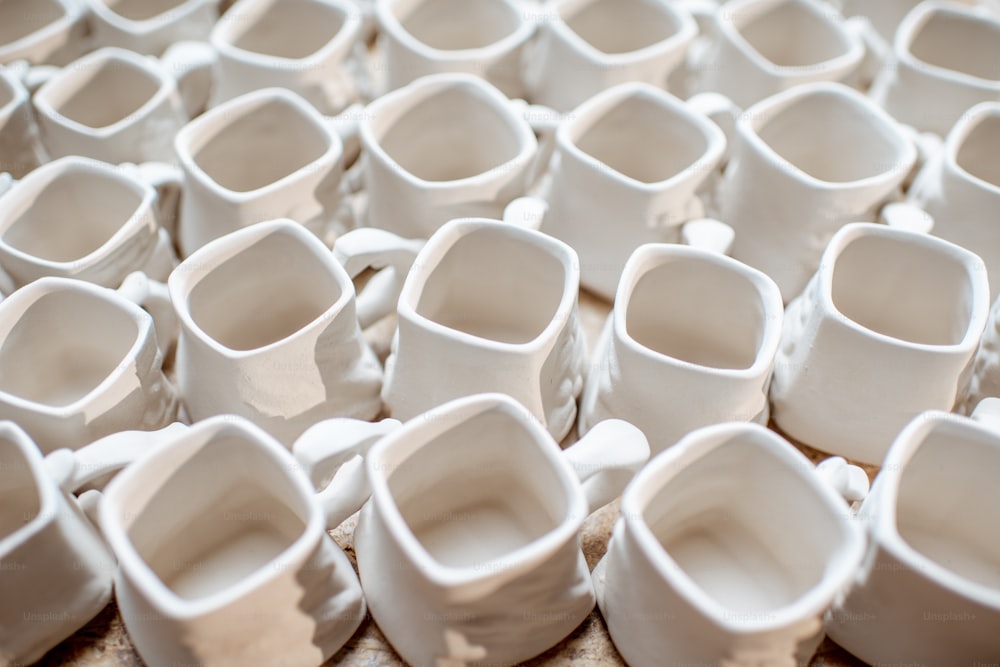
column 979, row 150
column 142, row 10
column 794, row 34
column 832, row 137
column 727, row 522
column 948, row 501
column 644, row 140
column 494, row 286
column 262, row 146
column 72, row 215
column 263, row 294
column 219, row 517
column 454, row 25
column 20, row 18
column 63, row 346
column 902, row 289
column 20, row 496
column 290, row 29
column 622, row 26
column 479, row 491
column 105, row 93
column 458, row 132
column 959, row 42
column 697, row 312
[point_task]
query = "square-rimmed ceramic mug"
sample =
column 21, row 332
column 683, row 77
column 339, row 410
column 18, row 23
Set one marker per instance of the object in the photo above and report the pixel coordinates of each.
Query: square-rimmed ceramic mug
column 78, row 362
column 729, row 550
column 49, row 32
column 804, row 163
column 150, row 26
column 886, row 329
column 469, row 549
column 690, row 342
column 21, row 148
column 928, row 589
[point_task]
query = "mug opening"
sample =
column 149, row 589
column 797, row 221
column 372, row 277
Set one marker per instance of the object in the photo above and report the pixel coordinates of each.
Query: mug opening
column 219, row 517
column 457, row 25
column 622, row 26
column 103, row 93
column 855, row 143
column 455, row 133
column 267, row 143
column 21, row 18
column 978, row 152
column 20, row 495
column 63, row 346
column 142, row 10
column 791, row 33
column 948, row 500
column 263, row 294
column 479, row 491
column 495, row 286
column 72, row 215
column 905, row 290
column 697, row 312
column 291, row 29
column 958, row 41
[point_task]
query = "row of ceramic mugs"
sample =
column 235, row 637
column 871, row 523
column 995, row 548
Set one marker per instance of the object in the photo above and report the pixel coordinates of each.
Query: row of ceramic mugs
column 219, row 555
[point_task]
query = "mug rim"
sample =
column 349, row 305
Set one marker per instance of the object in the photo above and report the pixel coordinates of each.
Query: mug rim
column 650, row 256
column 144, row 27
column 77, row 71
column 31, row 294
column 49, row 510
column 673, row 461
column 883, row 525
column 224, row 34
column 161, row 464
column 183, row 280
column 71, row 13
column 955, row 141
column 443, row 241
column 19, row 201
column 191, row 138
column 398, row 446
column 975, row 270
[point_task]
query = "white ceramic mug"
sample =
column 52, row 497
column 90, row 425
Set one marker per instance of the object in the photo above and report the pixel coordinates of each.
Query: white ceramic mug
column 928, row 589
column 42, row 31
column 691, row 342
column 79, row 218
column 804, row 163
column 150, row 26
column 443, row 147
column 56, row 571
column 886, row 329
column 627, row 170
column 308, row 46
column 729, row 550
column 21, row 148
column 223, row 553
column 78, row 362
column 487, row 307
column 586, row 46
column 762, row 47
column 264, row 155
column 486, row 38
column 469, row 549
column 944, row 60
column 269, row 331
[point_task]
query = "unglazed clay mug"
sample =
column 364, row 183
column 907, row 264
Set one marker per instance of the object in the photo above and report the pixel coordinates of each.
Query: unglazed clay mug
column 78, row 362
column 270, row 331
column 80, row 218
column 487, row 307
column 944, row 60
column 804, row 163
column 691, row 342
column 264, row 155
column 753, row 57
column 469, row 549
column 150, row 26
column 308, row 46
column 42, row 31
column 57, row 572
column 928, row 589
column 21, row 148
column 586, row 46
column 487, row 38
column 223, row 553
column 729, row 550
column 443, row 147
column 886, row 329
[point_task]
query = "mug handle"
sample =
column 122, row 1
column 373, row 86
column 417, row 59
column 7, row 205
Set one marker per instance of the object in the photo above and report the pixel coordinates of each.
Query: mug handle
column 190, row 64
column 849, row 481
column 987, row 412
column 331, row 454
column 154, row 297
column 720, row 110
column 544, row 122
column 908, row 216
column 168, row 181
column 370, row 248
column 606, row 459
column 347, row 126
